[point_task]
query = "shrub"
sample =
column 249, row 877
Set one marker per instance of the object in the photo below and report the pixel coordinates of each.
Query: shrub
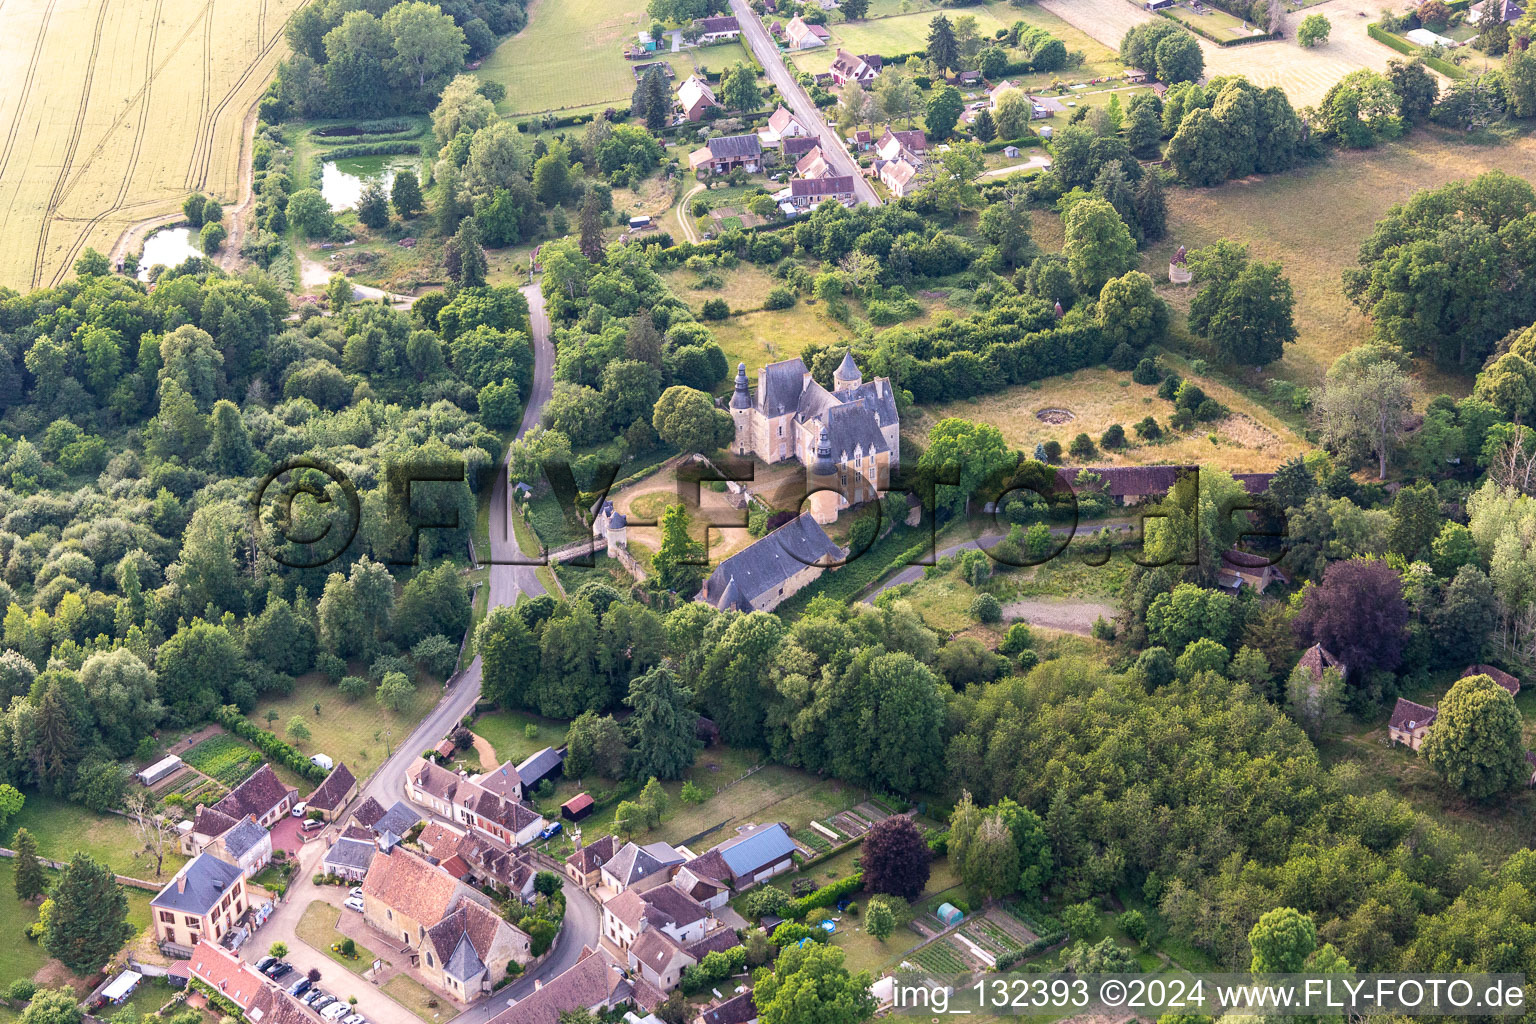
column 1114, row 437
column 1148, row 430
column 780, row 297
column 715, row 309
column 1146, row 372
column 984, row 608
column 1082, row 447
column 21, row 990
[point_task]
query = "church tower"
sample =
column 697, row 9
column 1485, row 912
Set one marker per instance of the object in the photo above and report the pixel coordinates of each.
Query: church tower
column 823, row 475
column 847, row 376
column 741, row 412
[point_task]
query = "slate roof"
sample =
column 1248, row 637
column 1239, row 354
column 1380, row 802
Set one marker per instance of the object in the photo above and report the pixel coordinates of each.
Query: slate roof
column 590, row 858
column 256, row 795
column 540, row 766
column 853, row 425
column 717, row 941
column 198, row 886
column 735, row 1010
column 710, row 865
column 837, row 185
column 408, row 883
column 657, row 950
column 719, row 24
column 245, row 836
column 463, row 939
column 368, row 812
column 780, row 385
column 332, row 793
column 633, row 862
column 799, row 145
column 734, row 147
column 767, row 563
column 399, row 819
column 670, row 905
column 848, row 369
column 1498, row 675
column 756, row 849
column 1406, row 715
column 354, row 854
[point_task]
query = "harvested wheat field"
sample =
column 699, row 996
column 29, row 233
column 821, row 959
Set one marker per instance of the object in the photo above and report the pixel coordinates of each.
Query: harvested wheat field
column 112, row 111
column 1312, row 221
column 1250, row 440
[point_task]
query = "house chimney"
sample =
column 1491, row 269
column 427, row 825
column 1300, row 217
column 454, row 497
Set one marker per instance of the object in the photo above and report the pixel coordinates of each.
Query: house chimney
column 181, row 883
column 576, row 835
column 538, row 983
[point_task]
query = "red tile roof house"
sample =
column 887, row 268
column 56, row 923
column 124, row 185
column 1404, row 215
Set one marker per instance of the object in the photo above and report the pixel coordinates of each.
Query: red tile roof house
column 782, row 126
column 667, row 908
column 739, row 1009
column 908, row 145
column 331, row 797
column 263, row 796
column 594, row 983
column 585, row 865
column 695, row 97
column 1498, row 675
column 802, row 35
column 473, row 803
column 226, row 974
column 725, row 153
column 1410, row 723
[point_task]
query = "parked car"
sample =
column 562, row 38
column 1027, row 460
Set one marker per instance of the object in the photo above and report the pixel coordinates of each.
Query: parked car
column 336, row 1011
column 551, row 830
column 324, row 1001
column 299, row 987
column 356, row 890
column 354, row 1018
column 354, row 903
column 276, row 969
column 265, row 962
column 308, row 999
column 299, row 808
column 312, row 824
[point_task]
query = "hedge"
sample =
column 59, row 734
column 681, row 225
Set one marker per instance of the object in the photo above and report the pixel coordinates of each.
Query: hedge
column 827, row 895
column 1035, row 356
column 998, row 145
column 1401, row 45
column 1040, row 945
column 1197, row 30
column 268, row 743
column 405, row 147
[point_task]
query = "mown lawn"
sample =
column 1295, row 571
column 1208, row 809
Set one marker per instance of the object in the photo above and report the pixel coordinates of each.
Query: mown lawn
column 414, row 996
column 766, row 337
column 61, row 828
column 20, row 957
column 358, row 733
column 317, row 927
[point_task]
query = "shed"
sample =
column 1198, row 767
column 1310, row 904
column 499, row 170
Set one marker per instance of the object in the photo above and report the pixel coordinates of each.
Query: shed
column 445, row 749
column 159, row 770
column 121, row 987
column 1010, row 151
column 577, row 807
column 1046, row 131
column 949, row 914
column 641, row 221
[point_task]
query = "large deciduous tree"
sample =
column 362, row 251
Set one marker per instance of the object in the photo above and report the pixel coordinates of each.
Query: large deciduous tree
column 1358, row 613
column 1245, row 309
column 1098, row 245
column 808, row 984
column 1475, row 743
column 896, row 858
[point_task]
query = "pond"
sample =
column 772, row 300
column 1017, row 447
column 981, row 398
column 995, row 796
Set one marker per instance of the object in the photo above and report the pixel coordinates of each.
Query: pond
column 168, row 246
column 342, row 181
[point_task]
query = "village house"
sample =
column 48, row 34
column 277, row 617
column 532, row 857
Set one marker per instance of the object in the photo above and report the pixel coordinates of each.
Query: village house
column 462, row 944
column 695, row 97
column 263, row 796
column 726, row 153
column 847, row 67
column 1410, row 723
column 906, row 145
column 665, row 907
column 204, row 901
column 898, row 176
column 796, row 147
column 331, row 797
column 473, row 805
column 761, row 576
column 594, row 983
column 585, row 865
column 640, row 867
column 246, row 844
column 1240, row 569
column 717, row 30
column 813, row 165
column 755, row 854
column 805, row 193
column 786, row 414
column 226, row 974
column 998, row 91
column 863, row 140
column 802, row 35
column 1505, row 11
column 349, row 857
column 273, row 1005
column 472, row 858
column 782, row 126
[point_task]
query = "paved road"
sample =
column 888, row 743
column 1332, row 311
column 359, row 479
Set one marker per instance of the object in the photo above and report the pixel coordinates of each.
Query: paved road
column 768, row 56
column 508, row 582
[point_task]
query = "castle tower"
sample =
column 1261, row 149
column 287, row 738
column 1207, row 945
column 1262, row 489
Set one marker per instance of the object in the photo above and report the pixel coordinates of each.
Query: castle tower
column 617, row 526
column 823, row 475
column 741, row 412
column 847, row 376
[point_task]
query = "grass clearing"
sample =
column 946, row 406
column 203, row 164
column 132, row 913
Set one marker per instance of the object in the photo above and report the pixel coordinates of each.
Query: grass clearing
column 1357, row 189
column 1217, row 23
column 128, row 108
column 765, row 337
column 317, row 927
column 1252, row 439
column 358, row 733
column 20, row 957
column 62, row 828
column 746, row 288
column 569, row 54
column 414, row 996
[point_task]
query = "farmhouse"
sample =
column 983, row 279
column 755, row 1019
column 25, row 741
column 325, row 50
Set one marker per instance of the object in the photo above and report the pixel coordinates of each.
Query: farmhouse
column 898, row 176
column 472, row 804
column 640, row 867
column 1498, row 675
column 204, row 901
column 849, row 68
column 725, row 153
column 717, row 30
column 472, row 858
column 802, row 35
column 349, row 857
column 785, row 416
column 665, row 907
column 695, row 97
column 813, row 165
column 761, row 576
column 1410, row 723
column 245, row 844
column 909, row 146
column 1240, row 569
